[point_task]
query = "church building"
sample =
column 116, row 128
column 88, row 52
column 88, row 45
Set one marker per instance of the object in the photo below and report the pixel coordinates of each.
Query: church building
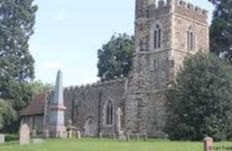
column 166, row 32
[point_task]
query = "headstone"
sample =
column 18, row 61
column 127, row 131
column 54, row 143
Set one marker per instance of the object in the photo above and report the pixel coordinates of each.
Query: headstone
column 78, row 135
column 110, row 136
column 122, row 137
column 137, row 137
column 37, row 141
column 114, row 136
column 2, row 138
column 70, row 132
column 100, row 135
column 118, row 120
column 46, row 134
column 24, row 137
column 145, row 137
column 61, row 134
column 34, row 133
column 208, row 144
column 128, row 137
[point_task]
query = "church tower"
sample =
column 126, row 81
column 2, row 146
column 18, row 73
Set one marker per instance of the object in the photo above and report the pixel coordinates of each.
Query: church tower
column 165, row 33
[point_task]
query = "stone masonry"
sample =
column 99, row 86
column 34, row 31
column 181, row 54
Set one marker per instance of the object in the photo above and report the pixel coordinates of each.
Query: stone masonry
column 166, row 32
column 155, row 68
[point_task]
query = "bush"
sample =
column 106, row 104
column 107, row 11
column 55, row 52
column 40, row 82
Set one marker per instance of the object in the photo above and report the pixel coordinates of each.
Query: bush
column 7, row 114
column 11, row 137
column 199, row 103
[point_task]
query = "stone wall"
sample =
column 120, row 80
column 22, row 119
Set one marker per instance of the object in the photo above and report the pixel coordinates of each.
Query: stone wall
column 188, row 16
column 142, row 95
column 156, row 115
column 150, row 76
column 190, row 11
column 87, row 103
column 155, row 68
column 34, row 122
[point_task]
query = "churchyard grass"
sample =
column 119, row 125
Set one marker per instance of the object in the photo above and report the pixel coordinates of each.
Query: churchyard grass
column 108, row 145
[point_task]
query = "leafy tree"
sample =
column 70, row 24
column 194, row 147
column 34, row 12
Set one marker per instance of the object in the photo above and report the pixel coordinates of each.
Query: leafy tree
column 200, row 100
column 221, row 29
column 17, row 18
column 7, row 113
column 115, row 57
column 40, row 87
column 24, row 92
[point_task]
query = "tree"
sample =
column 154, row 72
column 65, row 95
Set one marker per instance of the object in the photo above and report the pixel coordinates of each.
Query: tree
column 221, row 29
column 17, row 18
column 7, row 113
column 40, row 87
column 200, row 100
column 115, row 57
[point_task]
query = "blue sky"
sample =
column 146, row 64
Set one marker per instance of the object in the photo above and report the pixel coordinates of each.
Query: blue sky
column 68, row 34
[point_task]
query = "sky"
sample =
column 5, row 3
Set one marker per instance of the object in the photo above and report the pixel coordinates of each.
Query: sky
column 68, row 34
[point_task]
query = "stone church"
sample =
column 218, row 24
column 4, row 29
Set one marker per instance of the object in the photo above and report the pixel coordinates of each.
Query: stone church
column 165, row 33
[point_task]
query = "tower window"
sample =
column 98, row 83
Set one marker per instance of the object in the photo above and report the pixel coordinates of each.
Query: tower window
column 155, row 65
column 157, row 37
column 109, row 113
column 190, row 40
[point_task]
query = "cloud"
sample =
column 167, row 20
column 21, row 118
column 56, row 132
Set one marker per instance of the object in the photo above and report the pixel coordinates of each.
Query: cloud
column 51, row 65
column 60, row 17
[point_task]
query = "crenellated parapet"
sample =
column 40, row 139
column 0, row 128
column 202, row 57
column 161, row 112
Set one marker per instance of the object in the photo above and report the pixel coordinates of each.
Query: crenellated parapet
column 146, row 9
column 188, row 10
column 190, row 7
column 96, row 85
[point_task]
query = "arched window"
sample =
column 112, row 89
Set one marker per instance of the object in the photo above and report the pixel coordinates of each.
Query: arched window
column 109, row 113
column 190, row 39
column 157, row 37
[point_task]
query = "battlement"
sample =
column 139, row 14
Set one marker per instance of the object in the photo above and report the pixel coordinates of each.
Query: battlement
column 190, row 7
column 97, row 84
column 188, row 10
column 162, row 7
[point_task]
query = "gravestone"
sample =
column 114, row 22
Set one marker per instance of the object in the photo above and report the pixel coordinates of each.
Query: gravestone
column 78, row 135
column 24, row 137
column 46, row 133
column 2, row 138
column 114, row 136
column 128, row 137
column 70, row 133
column 137, row 137
column 34, row 133
column 119, row 130
column 122, row 137
column 118, row 120
column 208, row 144
column 100, row 135
column 37, row 141
column 145, row 137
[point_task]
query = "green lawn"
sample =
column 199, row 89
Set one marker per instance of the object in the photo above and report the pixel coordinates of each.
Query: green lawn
column 108, row 145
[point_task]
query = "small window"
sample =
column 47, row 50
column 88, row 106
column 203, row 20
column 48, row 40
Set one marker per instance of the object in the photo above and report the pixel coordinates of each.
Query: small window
column 143, row 43
column 109, row 113
column 190, row 40
column 157, row 37
column 155, row 65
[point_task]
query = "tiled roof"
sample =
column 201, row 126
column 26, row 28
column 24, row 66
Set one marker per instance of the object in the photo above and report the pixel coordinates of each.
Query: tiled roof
column 36, row 106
